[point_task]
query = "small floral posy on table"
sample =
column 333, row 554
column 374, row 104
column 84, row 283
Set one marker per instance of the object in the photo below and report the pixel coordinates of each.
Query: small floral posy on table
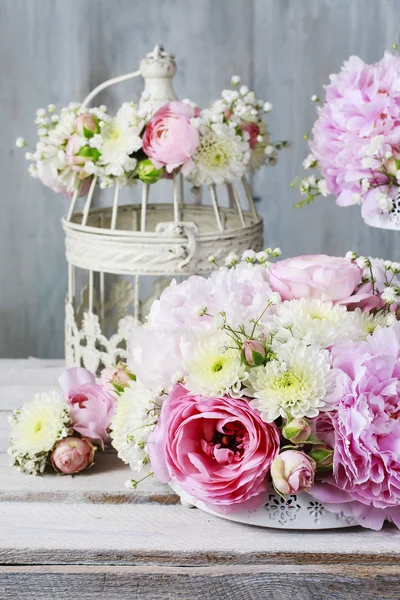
column 64, row 430
column 355, row 139
column 269, row 377
column 209, row 146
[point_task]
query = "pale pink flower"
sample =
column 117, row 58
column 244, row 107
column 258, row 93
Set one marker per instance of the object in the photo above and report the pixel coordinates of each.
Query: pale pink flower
column 219, row 450
column 170, row 139
column 72, row 454
column 86, row 125
column 292, row 472
column 91, row 407
column 328, row 278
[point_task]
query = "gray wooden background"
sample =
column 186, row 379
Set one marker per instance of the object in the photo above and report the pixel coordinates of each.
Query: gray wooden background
column 55, row 51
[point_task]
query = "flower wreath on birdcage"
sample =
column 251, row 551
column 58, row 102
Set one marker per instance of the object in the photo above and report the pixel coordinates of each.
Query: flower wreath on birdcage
column 208, row 146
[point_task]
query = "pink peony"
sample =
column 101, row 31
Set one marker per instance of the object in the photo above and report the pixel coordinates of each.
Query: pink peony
column 91, row 406
column 366, row 425
column 241, row 292
column 328, row 278
column 170, row 139
column 292, row 472
column 361, row 103
column 72, row 454
column 219, row 450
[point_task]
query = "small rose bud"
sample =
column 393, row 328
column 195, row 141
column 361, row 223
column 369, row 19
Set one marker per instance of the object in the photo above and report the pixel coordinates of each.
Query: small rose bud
column 254, row 353
column 116, row 379
column 323, row 457
column 292, row 472
column 147, row 172
column 72, row 454
column 297, row 431
column 86, row 125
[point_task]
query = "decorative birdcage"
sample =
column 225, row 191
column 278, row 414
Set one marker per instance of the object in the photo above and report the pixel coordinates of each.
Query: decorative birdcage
column 126, row 254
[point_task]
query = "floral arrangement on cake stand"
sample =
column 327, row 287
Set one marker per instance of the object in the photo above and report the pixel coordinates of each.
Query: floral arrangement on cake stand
column 268, row 393
column 355, row 141
column 122, row 256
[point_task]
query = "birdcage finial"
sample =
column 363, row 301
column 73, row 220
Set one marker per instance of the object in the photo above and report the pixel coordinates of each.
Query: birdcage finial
column 157, row 70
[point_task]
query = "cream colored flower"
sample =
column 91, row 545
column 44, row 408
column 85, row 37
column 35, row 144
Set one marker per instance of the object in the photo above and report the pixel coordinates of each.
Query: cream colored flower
column 214, row 366
column 134, row 419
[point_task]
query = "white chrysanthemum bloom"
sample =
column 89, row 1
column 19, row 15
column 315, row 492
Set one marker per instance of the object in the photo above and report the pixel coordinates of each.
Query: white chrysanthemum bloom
column 320, row 322
column 133, row 421
column 35, row 429
column 370, row 321
column 221, row 156
column 298, row 383
column 213, row 366
column 120, row 138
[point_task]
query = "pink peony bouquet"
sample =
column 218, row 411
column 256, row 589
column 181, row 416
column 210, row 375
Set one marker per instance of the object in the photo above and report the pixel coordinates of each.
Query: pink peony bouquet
column 270, row 377
column 208, row 146
column 65, row 429
column 355, row 139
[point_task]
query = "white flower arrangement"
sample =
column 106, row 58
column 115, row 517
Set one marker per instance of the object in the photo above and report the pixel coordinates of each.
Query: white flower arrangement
column 209, row 146
column 265, row 375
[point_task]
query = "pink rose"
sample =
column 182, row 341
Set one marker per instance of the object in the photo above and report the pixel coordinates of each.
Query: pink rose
column 253, row 130
column 219, row 450
column 72, row 454
column 292, row 472
column 170, row 139
column 328, row 278
column 91, row 405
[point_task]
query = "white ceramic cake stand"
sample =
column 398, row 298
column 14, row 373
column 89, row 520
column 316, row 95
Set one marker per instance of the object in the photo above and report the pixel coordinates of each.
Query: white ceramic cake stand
column 298, row 511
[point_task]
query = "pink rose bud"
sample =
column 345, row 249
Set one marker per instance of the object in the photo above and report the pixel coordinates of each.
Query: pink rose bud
column 323, row 456
column 297, row 431
column 116, row 379
column 72, row 454
column 254, row 353
column 77, row 155
column 86, row 125
column 253, row 130
column 292, row 472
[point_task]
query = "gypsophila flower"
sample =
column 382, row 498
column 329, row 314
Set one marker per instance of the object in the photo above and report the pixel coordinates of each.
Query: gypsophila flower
column 267, row 107
column 235, row 79
column 309, row 162
column 249, row 256
column 389, row 295
column 20, row 142
column 136, row 415
column 231, row 260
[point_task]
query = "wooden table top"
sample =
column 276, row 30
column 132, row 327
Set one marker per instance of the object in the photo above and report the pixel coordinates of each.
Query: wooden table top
column 87, row 537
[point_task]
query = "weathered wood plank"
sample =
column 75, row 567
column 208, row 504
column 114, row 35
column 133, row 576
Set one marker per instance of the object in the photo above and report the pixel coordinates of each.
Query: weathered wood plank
column 144, row 534
column 103, row 483
column 277, row 582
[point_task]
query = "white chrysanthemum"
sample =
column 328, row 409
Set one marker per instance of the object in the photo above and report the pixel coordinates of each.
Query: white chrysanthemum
column 370, row 321
column 35, row 429
column 298, row 383
column 132, row 423
column 221, row 156
column 213, row 366
column 120, row 139
column 317, row 321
